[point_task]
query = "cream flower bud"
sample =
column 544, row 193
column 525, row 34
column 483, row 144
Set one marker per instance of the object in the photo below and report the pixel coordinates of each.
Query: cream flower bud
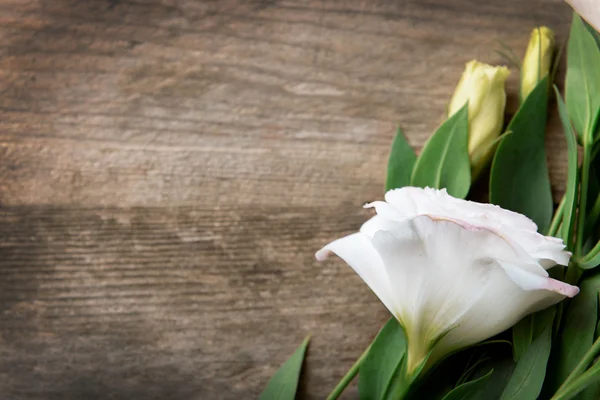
column 482, row 85
column 453, row 272
column 538, row 59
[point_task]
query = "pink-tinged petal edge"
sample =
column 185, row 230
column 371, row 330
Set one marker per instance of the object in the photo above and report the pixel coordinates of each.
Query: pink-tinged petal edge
column 561, row 287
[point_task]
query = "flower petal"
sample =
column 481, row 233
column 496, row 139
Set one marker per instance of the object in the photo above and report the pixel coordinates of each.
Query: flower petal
column 437, row 274
column 442, row 273
column 501, row 307
column 358, row 252
column 409, row 202
column 589, row 10
column 524, row 278
column 377, row 223
column 387, row 211
column 416, row 201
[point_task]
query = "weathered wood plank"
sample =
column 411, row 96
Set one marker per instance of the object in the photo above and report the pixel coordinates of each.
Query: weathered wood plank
column 165, row 303
column 168, row 168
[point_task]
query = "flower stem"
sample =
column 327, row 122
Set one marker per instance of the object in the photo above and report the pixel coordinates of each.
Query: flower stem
column 579, row 384
column 558, row 216
column 585, row 174
column 341, row 386
column 594, row 212
column 591, row 254
column 587, row 358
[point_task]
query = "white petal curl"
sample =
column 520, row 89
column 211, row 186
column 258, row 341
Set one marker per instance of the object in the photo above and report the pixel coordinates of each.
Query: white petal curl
column 359, row 253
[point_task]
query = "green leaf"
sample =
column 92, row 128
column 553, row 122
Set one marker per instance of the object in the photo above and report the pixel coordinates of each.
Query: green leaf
column 399, row 383
column 468, row 364
column 530, row 328
column 503, row 370
column 578, row 327
column 470, row 390
column 528, row 377
column 592, row 218
column 444, row 161
column 582, row 85
column 519, row 178
column 283, row 385
column 522, row 336
column 570, row 213
column 382, row 362
column 592, row 392
column 400, row 164
column 402, row 380
column 593, row 32
column 586, row 382
column 448, row 373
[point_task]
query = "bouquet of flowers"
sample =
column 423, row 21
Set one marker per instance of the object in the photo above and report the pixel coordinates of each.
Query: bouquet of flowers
column 454, row 273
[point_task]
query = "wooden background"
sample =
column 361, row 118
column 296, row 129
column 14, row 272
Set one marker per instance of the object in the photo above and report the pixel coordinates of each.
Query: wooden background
column 169, row 167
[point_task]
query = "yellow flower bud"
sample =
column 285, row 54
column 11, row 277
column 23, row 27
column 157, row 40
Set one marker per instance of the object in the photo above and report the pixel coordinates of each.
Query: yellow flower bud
column 538, row 59
column 482, row 85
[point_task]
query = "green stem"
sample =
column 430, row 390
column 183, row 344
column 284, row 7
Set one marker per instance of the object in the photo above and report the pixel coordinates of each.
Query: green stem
column 595, row 211
column 585, row 173
column 587, row 358
column 591, row 254
column 335, row 393
column 558, row 216
column 573, row 273
column 578, row 384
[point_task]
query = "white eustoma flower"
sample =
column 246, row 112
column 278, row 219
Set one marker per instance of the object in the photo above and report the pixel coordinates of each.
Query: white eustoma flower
column 453, row 272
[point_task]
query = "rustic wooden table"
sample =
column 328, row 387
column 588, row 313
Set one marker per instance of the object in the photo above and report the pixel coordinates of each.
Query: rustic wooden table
column 169, row 167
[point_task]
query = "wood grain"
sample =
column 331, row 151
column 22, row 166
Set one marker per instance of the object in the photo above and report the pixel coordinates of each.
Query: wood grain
column 169, row 167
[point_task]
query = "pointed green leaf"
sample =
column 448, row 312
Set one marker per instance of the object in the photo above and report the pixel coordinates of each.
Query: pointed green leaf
column 570, row 213
column 494, row 386
column 399, row 383
column 529, row 329
column 522, row 334
column 582, row 85
column 578, row 327
column 400, row 164
column 593, row 32
column 382, row 362
column 470, row 390
column 283, row 385
column 519, row 178
column 444, row 161
column 528, row 377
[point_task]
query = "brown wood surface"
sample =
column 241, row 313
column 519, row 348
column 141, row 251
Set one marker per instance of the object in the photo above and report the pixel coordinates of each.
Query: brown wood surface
column 169, row 167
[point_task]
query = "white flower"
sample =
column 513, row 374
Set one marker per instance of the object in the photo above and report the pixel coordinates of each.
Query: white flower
column 453, row 272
